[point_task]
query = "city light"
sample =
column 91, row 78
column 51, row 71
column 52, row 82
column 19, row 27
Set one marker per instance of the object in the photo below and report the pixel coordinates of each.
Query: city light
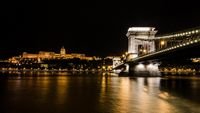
column 162, row 42
column 144, row 50
column 140, row 67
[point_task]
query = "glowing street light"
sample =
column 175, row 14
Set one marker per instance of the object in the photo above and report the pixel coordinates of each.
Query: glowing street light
column 144, row 51
column 162, row 43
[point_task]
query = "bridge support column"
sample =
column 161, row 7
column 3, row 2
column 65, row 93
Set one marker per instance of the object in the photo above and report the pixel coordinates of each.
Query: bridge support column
column 150, row 69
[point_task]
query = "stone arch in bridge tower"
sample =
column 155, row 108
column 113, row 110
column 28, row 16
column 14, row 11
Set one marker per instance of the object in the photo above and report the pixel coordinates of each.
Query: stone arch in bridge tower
column 140, row 41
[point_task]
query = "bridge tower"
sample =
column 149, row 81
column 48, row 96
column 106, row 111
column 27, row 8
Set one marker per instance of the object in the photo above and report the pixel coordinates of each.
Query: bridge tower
column 140, row 41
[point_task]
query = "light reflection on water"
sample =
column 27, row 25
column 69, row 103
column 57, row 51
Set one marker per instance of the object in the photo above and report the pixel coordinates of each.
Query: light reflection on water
column 98, row 93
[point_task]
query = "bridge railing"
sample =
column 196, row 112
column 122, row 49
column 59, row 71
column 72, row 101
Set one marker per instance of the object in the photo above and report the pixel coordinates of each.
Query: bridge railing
column 182, row 41
column 186, row 32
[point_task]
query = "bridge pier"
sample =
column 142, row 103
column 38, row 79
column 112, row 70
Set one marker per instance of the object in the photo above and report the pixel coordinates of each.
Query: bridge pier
column 144, row 69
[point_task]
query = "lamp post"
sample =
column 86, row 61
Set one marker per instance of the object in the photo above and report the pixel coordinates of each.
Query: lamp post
column 162, row 44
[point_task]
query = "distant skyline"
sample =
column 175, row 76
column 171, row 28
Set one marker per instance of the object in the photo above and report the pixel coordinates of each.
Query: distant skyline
column 94, row 28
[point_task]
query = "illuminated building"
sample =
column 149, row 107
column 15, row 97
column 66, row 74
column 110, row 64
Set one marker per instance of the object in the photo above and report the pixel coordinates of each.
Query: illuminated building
column 195, row 60
column 51, row 55
column 14, row 60
column 117, row 61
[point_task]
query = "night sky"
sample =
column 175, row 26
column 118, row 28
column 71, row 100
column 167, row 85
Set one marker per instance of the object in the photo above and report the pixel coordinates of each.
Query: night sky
column 93, row 27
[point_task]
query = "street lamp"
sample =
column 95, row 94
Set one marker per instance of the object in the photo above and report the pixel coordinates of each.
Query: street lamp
column 162, row 43
column 144, row 51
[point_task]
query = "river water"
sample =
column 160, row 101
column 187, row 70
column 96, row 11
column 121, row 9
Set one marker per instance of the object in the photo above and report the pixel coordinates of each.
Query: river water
column 98, row 93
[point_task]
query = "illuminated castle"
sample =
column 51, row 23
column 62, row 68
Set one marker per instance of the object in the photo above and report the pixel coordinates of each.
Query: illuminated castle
column 51, row 55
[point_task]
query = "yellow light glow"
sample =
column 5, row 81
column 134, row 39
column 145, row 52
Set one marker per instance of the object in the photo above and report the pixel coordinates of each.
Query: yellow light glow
column 144, row 50
column 162, row 42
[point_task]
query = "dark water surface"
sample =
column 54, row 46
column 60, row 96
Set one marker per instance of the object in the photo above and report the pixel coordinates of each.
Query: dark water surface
column 98, row 93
